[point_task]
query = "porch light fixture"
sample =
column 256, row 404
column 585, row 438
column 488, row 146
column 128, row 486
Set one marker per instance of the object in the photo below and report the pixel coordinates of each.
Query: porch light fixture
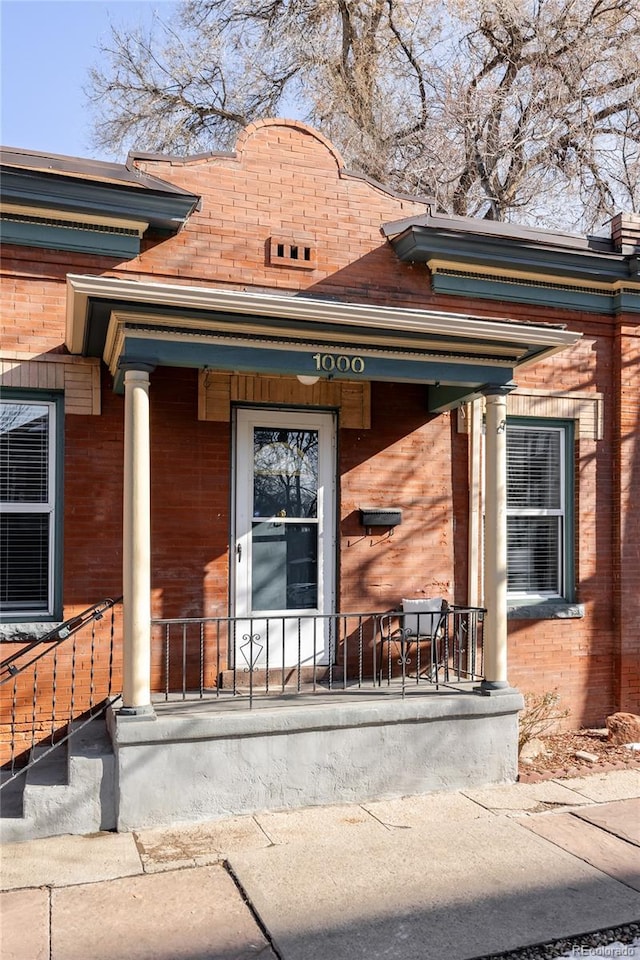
column 307, row 381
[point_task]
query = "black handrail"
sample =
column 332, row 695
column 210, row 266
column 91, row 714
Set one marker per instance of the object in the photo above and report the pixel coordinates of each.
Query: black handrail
column 54, row 638
column 64, row 719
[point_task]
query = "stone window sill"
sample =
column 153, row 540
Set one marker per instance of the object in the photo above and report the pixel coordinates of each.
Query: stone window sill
column 26, row 632
column 546, row 610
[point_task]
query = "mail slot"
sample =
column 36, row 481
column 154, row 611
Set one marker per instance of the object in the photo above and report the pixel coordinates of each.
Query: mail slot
column 380, row 516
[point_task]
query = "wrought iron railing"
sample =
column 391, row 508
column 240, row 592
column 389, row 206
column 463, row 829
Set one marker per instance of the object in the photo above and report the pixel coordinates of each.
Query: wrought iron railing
column 442, row 646
column 256, row 657
column 51, row 688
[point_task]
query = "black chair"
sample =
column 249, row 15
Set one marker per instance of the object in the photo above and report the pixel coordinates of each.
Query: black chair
column 420, row 621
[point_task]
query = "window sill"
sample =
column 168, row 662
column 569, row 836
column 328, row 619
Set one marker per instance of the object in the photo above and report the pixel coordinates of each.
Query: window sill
column 23, row 632
column 544, row 610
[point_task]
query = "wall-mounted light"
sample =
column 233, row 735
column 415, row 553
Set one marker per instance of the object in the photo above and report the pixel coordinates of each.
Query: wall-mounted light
column 307, row 381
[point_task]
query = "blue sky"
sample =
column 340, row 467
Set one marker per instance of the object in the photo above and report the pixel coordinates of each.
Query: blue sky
column 47, row 49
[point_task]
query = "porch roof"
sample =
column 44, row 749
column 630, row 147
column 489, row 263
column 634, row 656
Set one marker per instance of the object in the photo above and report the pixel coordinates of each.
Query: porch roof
column 133, row 322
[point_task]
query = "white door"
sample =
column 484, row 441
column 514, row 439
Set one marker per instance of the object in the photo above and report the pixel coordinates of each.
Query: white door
column 284, row 537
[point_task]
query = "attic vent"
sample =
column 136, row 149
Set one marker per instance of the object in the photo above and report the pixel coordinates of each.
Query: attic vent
column 297, row 253
column 68, row 224
column 518, row 281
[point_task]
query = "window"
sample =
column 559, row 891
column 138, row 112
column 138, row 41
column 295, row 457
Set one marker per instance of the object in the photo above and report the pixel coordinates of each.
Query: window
column 29, row 511
column 539, row 514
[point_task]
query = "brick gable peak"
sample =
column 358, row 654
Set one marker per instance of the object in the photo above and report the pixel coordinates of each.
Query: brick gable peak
column 286, row 143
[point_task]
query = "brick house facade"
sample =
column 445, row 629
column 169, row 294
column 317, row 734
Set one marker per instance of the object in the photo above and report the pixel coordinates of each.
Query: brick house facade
column 280, row 221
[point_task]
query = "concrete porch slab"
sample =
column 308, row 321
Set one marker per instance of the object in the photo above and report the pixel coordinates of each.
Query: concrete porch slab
column 481, row 887
column 182, row 915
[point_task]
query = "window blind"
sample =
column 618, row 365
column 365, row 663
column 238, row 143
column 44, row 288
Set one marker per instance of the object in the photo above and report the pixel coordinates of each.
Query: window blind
column 535, row 510
column 27, row 501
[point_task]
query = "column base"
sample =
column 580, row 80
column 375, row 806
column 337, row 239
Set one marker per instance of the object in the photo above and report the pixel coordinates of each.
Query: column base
column 494, row 688
column 143, row 713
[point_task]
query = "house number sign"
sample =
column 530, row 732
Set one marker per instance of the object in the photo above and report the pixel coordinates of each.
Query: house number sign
column 328, row 362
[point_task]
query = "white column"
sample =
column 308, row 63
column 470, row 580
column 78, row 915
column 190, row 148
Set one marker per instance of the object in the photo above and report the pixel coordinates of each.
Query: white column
column 136, row 545
column 495, row 542
column 475, row 461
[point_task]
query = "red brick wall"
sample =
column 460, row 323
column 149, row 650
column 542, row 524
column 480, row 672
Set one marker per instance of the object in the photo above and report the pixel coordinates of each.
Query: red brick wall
column 626, row 492
column 402, row 461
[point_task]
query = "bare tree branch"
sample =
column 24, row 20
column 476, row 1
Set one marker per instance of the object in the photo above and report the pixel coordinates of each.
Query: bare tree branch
column 498, row 108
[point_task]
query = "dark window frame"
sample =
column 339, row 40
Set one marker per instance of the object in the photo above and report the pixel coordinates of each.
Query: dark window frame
column 566, row 588
column 53, row 611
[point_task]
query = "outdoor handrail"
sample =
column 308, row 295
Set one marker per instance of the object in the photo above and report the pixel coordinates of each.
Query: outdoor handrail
column 55, row 637
column 63, row 712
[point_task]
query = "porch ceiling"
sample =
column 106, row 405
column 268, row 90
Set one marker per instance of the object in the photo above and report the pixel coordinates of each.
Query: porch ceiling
column 130, row 321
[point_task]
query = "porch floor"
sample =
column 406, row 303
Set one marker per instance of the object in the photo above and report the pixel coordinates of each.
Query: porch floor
column 223, row 701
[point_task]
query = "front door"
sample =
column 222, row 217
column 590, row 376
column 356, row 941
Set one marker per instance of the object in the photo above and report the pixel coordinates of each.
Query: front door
column 284, row 537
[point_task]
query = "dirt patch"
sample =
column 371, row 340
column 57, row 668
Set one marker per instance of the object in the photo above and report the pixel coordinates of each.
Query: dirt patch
column 559, row 759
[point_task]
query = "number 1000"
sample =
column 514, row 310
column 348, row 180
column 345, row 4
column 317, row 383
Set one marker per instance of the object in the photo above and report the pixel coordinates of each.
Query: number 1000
column 343, row 364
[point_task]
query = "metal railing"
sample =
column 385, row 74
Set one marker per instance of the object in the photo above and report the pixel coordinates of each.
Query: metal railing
column 51, row 688
column 288, row 655
column 443, row 646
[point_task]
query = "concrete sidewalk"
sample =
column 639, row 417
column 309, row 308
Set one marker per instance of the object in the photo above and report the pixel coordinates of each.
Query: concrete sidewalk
column 446, row 876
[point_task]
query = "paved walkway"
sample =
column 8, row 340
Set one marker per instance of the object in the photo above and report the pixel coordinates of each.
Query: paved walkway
column 440, row 877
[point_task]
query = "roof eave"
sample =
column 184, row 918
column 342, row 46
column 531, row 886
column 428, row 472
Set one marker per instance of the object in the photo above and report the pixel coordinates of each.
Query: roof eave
column 54, row 193
column 532, row 341
column 419, row 243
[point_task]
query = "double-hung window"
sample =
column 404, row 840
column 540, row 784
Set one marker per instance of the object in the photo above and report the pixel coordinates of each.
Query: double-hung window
column 30, row 488
column 539, row 509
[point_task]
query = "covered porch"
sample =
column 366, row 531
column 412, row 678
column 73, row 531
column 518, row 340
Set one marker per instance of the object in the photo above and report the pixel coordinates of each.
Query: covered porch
column 235, row 728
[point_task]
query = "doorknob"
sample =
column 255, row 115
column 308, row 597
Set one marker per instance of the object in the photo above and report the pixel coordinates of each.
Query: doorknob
column 239, row 552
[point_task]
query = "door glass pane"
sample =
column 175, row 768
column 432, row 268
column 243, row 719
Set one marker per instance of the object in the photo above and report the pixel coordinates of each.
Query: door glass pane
column 285, row 566
column 285, row 477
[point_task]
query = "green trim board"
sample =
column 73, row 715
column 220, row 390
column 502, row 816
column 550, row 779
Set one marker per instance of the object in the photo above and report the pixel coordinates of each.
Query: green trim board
column 626, row 301
column 442, row 399
column 495, row 288
column 81, row 240
column 340, row 363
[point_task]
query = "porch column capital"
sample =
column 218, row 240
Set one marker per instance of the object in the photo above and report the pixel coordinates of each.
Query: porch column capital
column 136, row 543
column 498, row 389
column 136, row 366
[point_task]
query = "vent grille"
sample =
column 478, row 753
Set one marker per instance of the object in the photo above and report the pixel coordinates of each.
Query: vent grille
column 292, row 252
column 69, row 224
column 517, row 281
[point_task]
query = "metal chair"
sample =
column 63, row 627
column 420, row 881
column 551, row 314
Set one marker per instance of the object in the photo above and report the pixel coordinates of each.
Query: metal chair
column 419, row 621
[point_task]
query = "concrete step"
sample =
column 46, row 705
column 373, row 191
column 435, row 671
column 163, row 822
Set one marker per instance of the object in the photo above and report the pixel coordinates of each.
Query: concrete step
column 70, row 791
column 11, row 795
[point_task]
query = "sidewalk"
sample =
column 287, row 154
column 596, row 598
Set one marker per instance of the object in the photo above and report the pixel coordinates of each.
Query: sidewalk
column 438, row 877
